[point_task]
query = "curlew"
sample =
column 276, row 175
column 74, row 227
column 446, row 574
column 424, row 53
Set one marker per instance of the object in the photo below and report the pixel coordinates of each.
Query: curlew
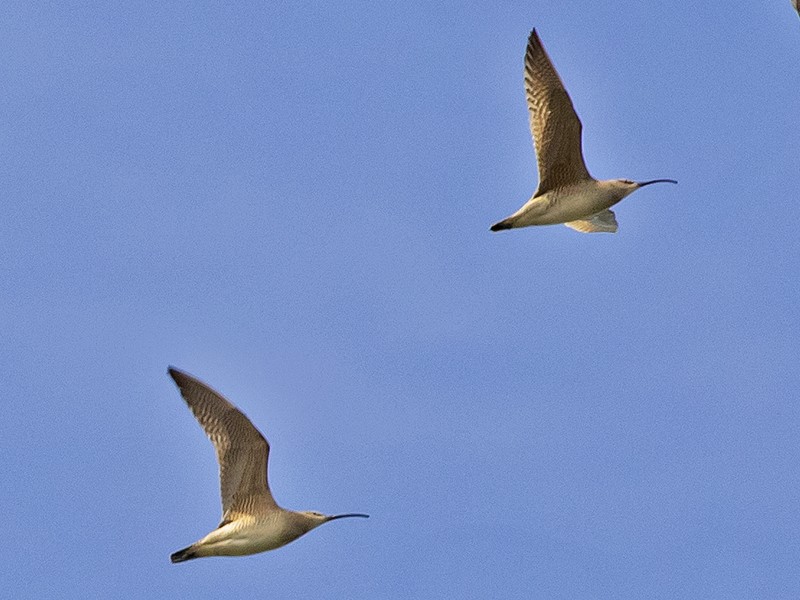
column 567, row 193
column 251, row 520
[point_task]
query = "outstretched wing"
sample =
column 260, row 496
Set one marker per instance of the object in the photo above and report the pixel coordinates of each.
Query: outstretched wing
column 242, row 452
column 555, row 126
column 603, row 221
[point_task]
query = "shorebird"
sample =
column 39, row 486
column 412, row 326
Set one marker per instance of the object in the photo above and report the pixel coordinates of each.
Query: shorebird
column 251, row 520
column 567, row 193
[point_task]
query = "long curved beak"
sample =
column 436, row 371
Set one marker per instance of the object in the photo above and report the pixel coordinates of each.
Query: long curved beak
column 334, row 517
column 644, row 183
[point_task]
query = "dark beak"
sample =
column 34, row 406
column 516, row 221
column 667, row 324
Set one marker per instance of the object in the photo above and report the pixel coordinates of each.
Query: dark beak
column 334, row 517
column 644, row 183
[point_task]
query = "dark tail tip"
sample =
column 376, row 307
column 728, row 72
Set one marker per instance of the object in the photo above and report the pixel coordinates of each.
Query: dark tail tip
column 501, row 225
column 183, row 555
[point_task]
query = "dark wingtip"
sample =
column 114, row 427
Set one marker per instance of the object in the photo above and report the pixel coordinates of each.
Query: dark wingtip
column 181, row 378
column 500, row 226
column 176, row 374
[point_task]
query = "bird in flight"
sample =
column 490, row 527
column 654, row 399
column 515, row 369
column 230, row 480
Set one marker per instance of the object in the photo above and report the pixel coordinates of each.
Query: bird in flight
column 566, row 193
column 252, row 521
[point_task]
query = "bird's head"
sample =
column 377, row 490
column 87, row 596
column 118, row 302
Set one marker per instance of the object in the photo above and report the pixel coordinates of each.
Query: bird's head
column 627, row 186
column 315, row 519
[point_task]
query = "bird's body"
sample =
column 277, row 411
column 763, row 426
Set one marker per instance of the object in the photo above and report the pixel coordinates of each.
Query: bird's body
column 566, row 192
column 567, row 204
column 252, row 521
column 249, row 534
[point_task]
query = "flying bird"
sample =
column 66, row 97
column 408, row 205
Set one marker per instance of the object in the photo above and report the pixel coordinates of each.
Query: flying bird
column 566, row 193
column 252, row 522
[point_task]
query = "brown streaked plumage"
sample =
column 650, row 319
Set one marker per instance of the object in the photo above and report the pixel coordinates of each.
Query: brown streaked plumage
column 251, row 520
column 555, row 126
column 566, row 193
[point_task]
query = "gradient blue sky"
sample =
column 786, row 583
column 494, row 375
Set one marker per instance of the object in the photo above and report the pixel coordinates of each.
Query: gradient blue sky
column 292, row 202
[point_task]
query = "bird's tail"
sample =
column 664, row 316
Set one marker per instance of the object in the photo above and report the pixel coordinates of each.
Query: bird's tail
column 504, row 224
column 187, row 553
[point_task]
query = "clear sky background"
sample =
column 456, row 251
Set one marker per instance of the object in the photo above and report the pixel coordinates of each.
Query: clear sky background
column 292, row 202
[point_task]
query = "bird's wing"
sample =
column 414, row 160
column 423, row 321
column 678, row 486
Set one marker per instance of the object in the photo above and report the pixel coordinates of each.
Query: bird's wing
column 603, row 221
column 555, row 126
column 242, row 452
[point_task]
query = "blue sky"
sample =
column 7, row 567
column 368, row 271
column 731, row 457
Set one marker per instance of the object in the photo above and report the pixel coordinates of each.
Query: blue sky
column 293, row 204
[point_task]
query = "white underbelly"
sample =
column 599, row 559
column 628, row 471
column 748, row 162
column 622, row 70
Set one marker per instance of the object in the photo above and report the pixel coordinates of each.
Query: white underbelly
column 238, row 539
column 569, row 205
